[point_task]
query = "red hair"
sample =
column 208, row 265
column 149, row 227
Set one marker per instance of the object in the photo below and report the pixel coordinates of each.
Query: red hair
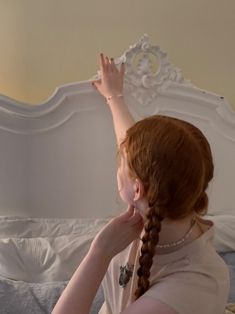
column 173, row 160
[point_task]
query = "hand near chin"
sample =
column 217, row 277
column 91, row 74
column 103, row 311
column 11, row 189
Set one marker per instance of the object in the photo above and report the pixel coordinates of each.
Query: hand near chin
column 118, row 233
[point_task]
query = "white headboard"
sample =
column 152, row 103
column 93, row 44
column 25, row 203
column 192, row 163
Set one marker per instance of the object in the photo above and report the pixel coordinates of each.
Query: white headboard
column 58, row 159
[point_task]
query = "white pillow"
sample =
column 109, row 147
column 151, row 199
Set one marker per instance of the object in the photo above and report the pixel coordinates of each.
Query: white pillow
column 44, row 250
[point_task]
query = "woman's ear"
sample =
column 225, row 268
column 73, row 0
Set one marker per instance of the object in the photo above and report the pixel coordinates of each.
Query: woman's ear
column 139, row 191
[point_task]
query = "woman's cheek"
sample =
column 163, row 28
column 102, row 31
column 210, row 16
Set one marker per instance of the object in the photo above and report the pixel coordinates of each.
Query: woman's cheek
column 127, row 196
column 119, row 181
column 126, row 191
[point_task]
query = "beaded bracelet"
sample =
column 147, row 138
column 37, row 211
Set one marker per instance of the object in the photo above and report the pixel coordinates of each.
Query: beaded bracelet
column 110, row 97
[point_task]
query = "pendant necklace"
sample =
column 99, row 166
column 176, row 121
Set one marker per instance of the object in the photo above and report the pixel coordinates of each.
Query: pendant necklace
column 126, row 273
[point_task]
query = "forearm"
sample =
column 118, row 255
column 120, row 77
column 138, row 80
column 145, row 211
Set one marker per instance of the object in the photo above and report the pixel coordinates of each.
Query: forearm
column 122, row 117
column 80, row 292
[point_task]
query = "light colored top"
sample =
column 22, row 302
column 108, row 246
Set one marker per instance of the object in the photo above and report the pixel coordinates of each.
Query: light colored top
column 193, row 279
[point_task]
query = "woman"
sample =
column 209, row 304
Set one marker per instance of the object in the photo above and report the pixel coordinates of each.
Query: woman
column 160, row 258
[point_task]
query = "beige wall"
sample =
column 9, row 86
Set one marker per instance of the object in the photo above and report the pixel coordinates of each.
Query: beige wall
column 48, row 43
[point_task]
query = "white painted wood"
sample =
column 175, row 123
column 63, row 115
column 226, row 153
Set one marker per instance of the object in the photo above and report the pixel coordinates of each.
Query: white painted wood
column 58, row 158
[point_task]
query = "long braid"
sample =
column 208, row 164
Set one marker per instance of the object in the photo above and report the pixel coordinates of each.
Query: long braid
column 150, row 239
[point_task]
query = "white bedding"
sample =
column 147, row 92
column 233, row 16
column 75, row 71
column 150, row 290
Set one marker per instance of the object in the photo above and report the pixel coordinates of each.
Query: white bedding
column 44, row 250
column 224, row 239
column 42, row 254
column 37, row 259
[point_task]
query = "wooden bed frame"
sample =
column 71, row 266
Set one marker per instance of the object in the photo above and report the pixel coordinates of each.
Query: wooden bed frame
column 58, row 159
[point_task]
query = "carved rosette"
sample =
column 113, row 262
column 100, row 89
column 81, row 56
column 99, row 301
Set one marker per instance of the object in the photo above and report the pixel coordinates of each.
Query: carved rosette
column 148, row 71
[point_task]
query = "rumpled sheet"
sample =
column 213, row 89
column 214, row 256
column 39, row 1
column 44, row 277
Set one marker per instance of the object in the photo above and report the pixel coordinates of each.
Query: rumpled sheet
column 230, row 308
column 38, row 257
column 18, row 297
column 44, row 250
column 42, row 254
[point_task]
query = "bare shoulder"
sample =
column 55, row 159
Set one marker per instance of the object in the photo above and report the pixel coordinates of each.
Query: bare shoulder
column 148, row 305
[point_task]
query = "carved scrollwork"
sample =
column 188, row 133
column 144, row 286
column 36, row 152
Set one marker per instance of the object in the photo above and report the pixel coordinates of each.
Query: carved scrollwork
column 148, row 71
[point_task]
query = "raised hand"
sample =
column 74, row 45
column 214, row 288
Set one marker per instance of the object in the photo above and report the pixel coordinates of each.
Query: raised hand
column 111, row 81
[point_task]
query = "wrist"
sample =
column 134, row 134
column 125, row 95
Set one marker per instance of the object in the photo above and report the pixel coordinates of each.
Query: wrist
column 99, row 253
column 114, row 97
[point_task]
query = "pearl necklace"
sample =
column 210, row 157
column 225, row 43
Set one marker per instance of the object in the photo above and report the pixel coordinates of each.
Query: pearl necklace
column 172, row 244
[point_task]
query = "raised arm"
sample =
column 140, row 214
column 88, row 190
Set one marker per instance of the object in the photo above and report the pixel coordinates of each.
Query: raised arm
column 110, row 85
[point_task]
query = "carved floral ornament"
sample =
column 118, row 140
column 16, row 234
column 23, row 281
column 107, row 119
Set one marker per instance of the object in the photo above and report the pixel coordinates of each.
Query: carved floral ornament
column 149, row 74
column 148, row 71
